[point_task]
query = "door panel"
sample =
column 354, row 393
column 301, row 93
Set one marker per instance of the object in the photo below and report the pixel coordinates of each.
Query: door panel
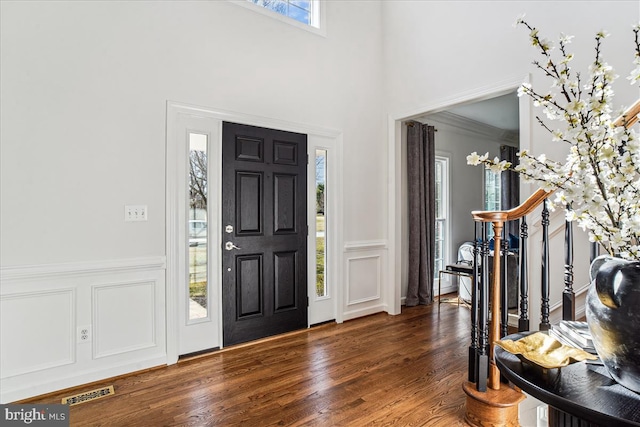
column 285, row 153
column 249, row 285
column 284, row 204
column 285, row 267
column 249, row 149
column 249, row 203
column 264, row 201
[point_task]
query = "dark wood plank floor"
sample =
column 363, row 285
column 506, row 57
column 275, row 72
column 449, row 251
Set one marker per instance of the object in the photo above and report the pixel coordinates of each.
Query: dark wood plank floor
column 404, row 370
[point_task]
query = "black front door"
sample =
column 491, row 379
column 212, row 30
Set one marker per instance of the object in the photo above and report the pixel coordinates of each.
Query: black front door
column 264, row 218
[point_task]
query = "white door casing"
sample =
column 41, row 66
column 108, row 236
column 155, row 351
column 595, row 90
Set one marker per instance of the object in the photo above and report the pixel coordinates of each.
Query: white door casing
column 204, row 333
column 186, row 337
column 397, row 241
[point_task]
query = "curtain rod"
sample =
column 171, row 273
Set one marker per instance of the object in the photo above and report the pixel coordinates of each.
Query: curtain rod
column 412, row 123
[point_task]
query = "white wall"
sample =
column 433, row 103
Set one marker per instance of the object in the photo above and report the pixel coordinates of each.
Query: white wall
column 438, row 54
column 85, row 87
column 441, row 50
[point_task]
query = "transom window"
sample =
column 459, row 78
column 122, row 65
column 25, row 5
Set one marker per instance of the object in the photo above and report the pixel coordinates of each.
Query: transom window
column 304, row 11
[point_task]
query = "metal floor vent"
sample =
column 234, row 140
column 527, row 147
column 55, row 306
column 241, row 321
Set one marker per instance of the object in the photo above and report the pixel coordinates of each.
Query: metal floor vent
column 89, row 396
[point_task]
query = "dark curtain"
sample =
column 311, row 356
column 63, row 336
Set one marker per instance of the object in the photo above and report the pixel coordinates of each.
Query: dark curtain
column 422, row 217
column 510, row 183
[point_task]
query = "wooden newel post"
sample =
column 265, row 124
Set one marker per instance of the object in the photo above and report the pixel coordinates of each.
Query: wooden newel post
column 494, row 330
column 497, row 406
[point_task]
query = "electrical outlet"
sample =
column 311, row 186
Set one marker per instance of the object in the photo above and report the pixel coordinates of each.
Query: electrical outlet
column 135, row 213
column 84, row 334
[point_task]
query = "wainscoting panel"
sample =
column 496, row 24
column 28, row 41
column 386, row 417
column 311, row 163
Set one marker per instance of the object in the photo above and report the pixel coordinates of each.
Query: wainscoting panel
column 123, row 318
column 28, row 344
column 71, row 324
column 365, row 263
column 363, row 279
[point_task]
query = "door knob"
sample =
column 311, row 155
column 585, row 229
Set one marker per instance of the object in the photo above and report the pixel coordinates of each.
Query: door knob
column 230, row 246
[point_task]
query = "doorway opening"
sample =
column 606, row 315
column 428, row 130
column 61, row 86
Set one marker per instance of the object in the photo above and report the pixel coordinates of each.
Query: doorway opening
column 453, row 119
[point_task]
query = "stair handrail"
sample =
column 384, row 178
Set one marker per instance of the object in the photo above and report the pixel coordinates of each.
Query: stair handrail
column 629, row 117
column 518, row 212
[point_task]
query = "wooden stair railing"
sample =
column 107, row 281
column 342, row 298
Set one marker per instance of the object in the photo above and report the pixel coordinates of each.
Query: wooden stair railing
column 498, row 219
column 487, row 402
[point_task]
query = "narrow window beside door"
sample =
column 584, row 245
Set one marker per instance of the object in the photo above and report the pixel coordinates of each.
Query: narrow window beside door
column 321, row 222
column 197, row 227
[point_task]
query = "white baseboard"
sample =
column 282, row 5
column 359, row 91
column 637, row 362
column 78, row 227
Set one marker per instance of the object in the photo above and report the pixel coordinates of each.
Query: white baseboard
column 25, row 391
column 354, row 314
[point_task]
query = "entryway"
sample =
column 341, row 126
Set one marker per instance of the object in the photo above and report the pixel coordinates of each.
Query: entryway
column 255, row 258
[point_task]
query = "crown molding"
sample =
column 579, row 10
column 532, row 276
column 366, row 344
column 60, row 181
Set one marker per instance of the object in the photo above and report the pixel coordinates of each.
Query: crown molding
column 454, row 120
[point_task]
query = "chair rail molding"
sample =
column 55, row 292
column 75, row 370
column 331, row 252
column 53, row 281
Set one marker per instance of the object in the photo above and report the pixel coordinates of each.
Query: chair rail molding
column 365, row 245
column 83, row 267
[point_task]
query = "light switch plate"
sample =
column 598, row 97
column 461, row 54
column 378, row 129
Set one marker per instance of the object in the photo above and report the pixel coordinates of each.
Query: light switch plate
column 135, row 213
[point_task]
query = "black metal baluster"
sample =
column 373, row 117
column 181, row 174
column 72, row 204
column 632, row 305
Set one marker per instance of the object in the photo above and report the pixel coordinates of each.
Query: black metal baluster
column 483, row 331
column 523, row 322
column 544, row 309
column 568, row 296
column 595, row 251
column 473, row 348
column 503, row 251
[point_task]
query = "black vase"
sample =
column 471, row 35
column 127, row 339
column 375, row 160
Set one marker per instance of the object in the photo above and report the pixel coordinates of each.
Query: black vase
column 613, row 316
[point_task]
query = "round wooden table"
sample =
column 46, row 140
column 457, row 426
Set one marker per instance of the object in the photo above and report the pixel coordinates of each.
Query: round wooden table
column 581, row 394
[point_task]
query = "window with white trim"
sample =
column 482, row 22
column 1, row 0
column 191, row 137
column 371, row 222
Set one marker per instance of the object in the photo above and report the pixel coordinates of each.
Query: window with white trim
column 321, row 222
column 304, row 11
column 492, row 192
column 442, row 213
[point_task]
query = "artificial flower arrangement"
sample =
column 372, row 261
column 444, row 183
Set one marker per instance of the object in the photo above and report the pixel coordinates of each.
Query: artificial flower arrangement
column 599, row 182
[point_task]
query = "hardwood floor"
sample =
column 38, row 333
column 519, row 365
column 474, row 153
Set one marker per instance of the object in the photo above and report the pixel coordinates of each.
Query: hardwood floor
column 404, row 370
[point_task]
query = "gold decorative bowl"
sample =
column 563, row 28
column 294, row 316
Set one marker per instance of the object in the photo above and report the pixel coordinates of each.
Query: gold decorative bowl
column 545, row 351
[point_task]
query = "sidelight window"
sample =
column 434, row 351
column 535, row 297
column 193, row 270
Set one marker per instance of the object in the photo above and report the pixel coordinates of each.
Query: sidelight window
column 197, row 227
column 321, row 222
